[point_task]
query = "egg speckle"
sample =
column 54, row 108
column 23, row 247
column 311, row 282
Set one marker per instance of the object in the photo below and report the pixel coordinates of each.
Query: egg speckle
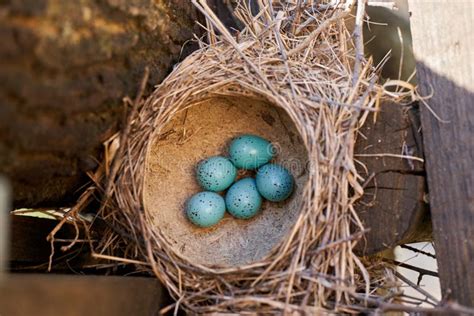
column 243, row 200
column 274, row 182
column 205, row 209
column 216, row 173
column 250, row 151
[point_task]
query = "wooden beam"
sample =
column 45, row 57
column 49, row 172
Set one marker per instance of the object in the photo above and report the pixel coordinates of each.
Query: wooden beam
column 392, row 206
column 67, row 295
column 443, row 44
column 30, row 251
column 65, row 68
column 28, row 244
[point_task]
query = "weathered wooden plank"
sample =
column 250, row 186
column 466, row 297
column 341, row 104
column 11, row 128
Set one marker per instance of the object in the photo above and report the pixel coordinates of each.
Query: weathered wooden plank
column 28, row 242
column 65, row 67
column 392, row 206
column 443, row 43
column 29, row 249
column 66, row 295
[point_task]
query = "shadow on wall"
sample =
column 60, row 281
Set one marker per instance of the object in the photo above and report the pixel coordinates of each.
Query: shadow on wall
column 449, row 149
column 388, row 31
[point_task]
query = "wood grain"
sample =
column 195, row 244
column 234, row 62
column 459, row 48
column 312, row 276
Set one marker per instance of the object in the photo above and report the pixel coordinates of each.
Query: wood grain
column 67, row 295
column 392, row 206
column 28, row 249
column 443, row 43
column 65, row 67
column 28, row 244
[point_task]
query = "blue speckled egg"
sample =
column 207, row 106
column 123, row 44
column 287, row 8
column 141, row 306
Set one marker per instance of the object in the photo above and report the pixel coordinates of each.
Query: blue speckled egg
column 250, row 151
column 274, row 182
column 216, row 173
column 242, row 199
column 205, row 209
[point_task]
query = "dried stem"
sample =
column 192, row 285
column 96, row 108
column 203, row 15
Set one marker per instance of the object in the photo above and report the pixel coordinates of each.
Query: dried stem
column 358, row 40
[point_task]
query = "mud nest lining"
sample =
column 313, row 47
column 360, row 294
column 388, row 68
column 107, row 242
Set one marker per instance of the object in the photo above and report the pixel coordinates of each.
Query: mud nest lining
column 204, row 130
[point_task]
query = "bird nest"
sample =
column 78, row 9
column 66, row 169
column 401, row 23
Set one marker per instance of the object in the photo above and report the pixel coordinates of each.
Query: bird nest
column 297, row 76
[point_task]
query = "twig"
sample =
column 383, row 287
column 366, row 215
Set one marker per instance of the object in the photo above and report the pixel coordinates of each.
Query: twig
column 445, row 309
column 358, row 40
column 416, row 287
column 83, row 200
column 126, row 130
column 113, row 258
column 418, row 251
column 351, row 238
column 284, row 56
column 341, row 104
column 337, row 17
column 448, row 309
column 209, row 14
column 391, row 155
column 297, row 18
column 421, row 271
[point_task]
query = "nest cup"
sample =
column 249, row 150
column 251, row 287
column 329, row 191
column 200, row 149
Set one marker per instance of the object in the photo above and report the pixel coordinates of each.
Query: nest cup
column 204, row 129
